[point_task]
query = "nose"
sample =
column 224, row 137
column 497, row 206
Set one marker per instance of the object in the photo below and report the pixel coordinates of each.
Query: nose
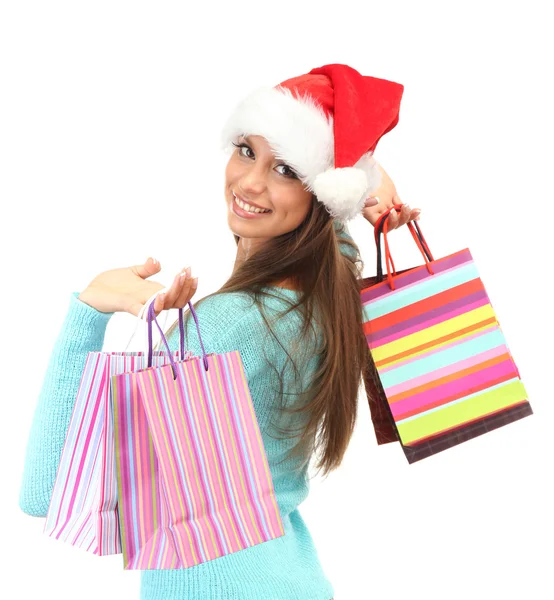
column 253, row 180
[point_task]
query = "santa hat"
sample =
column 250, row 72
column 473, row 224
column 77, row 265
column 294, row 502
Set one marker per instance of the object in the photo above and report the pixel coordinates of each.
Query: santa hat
column 325, row 125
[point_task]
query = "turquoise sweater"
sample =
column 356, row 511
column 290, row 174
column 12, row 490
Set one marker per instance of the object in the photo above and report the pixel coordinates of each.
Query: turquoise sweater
column 286, row 568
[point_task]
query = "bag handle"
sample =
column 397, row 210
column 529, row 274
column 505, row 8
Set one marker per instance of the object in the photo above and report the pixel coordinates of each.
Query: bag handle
column 381, row 226
column 140, row 317
column 152, row 317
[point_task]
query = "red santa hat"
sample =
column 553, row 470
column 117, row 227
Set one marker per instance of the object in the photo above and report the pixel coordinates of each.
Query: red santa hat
column 325, row 125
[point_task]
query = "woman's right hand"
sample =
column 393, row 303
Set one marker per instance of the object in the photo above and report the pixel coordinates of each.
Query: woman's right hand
column 128, row 289
column 386, row 192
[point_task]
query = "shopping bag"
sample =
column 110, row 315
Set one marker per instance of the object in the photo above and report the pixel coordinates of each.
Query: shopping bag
column 83, row 505
column 445, row 374
column 193, row 478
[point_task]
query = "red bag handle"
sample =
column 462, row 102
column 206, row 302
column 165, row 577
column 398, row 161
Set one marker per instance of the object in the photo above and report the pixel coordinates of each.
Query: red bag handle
column 381, row 225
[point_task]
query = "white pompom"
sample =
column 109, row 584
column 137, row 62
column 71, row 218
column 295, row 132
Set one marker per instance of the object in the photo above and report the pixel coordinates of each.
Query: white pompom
column 342, row 190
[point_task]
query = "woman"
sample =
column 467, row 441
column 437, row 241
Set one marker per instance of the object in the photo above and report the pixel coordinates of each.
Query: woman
column 302, row 154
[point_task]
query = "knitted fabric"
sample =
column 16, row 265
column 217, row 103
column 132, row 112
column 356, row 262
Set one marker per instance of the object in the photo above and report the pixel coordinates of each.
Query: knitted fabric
column 286, row 568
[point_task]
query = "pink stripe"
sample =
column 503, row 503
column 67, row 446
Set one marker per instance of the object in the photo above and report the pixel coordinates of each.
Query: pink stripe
column 410, row 384
column 126, row 414
column 186, row 535
column 237, row 539
column 87, row 441
column 255, row 458
column 223, row 408
column 195, row 428
column 150, row 397
column 265, row 489
column 151, row 514
column 83, row 525
column 140, row 446
column 215, row 465
column 90, row 359
column 435, row 350
column 102, row 482
column 452, row 390
column 238, row 466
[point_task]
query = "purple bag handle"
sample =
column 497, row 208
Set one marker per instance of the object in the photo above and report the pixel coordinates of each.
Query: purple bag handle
column 152, row 317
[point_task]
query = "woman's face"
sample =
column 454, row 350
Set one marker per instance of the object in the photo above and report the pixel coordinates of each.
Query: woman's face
column 255, row 175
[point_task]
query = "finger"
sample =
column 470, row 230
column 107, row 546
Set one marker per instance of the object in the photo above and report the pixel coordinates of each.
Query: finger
column 150, row 267
column 158, row 306
column 415, row 214
column 371, row 201
column 372, row 213
column 188, row 293
column 174, row 291
column 137, row 308
column 188, row 290
column 405, row 214
column 393, row 219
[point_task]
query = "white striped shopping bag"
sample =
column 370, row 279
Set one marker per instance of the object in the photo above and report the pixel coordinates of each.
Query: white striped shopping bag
column 83, row 509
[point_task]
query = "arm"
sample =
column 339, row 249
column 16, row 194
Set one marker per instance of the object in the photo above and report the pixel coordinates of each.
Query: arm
column 82, row 332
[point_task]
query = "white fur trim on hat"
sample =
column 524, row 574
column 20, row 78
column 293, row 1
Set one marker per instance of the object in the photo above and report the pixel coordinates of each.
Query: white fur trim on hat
column 301, row 135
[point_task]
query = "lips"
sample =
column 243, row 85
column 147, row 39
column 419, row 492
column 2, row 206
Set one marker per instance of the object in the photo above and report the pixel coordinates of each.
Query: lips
column 251, row 203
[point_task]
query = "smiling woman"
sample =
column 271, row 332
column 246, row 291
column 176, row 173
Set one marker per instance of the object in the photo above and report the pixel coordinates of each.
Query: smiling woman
column 291, row 308
column 300, row 272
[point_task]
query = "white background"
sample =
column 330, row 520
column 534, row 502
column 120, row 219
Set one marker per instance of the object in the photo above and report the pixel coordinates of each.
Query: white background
column 109, row 131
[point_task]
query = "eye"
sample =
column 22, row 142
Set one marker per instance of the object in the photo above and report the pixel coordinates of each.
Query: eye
column 291, row 174
column 242, row 146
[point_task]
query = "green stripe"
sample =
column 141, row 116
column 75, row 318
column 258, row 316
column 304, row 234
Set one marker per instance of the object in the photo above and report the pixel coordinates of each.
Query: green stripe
column 460, row 412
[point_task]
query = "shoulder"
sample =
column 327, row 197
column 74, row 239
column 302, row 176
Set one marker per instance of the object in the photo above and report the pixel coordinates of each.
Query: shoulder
column 232, row 321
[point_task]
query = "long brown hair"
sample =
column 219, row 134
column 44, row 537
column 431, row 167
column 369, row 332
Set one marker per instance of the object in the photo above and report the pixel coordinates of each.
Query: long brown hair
column 328, row 282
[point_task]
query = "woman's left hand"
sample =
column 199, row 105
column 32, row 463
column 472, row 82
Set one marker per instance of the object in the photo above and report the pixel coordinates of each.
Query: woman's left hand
column 386, row 192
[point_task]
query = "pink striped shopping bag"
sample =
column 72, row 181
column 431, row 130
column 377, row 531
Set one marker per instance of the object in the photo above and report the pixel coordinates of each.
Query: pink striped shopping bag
column 83, row 505
column 193, row 479
column 445, row 373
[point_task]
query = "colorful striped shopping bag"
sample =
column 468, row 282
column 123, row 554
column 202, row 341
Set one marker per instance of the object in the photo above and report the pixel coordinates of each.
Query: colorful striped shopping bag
column 445, row 372
column 193, row 479
column 83, row 506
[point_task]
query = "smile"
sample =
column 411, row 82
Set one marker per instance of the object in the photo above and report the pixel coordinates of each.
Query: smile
column 243, row 208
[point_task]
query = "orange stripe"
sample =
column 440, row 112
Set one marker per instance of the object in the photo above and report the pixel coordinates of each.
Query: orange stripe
column 451, row 377
column 435, row 342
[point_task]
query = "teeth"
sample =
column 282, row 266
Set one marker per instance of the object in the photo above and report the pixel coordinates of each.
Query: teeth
column 249, row 208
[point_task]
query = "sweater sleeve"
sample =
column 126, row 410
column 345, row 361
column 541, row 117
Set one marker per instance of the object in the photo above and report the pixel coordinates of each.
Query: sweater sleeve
column 83, row 331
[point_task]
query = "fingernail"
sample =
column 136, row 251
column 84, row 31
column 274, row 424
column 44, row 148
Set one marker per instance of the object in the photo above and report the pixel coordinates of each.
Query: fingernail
column 195, row 282
column 417, row 211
